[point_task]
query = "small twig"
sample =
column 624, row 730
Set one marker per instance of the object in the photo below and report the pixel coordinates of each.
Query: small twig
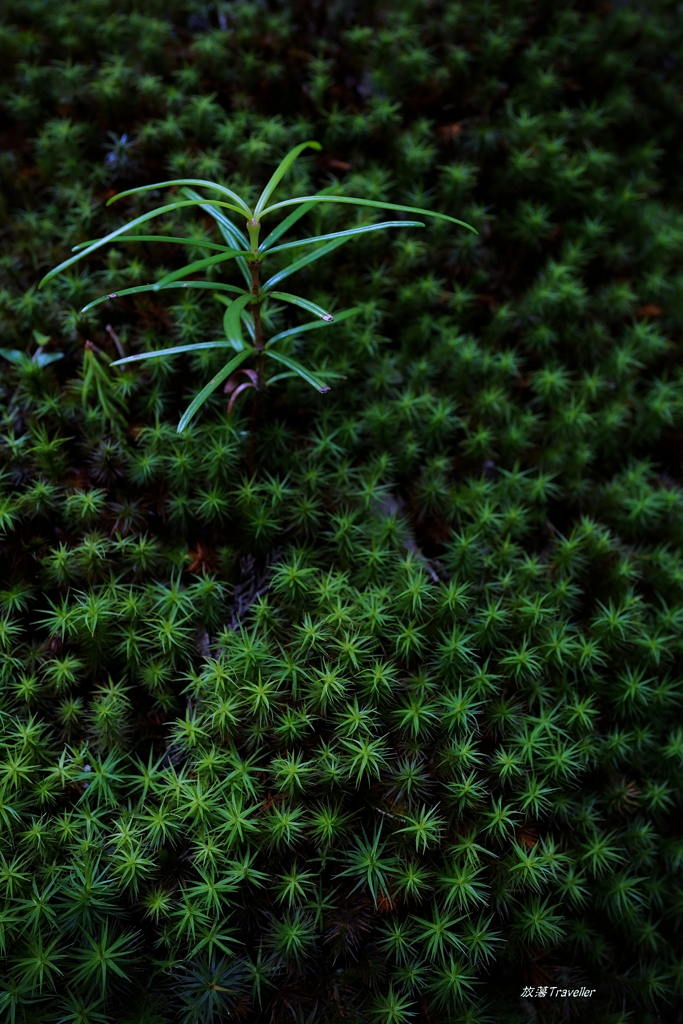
column 117, row 341
column 388, row 814
column 253, row 584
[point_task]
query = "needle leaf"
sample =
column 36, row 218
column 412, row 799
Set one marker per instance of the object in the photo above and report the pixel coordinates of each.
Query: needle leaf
column 280, row 172
column 310, row 307
column 292, row 364
column 209, row 388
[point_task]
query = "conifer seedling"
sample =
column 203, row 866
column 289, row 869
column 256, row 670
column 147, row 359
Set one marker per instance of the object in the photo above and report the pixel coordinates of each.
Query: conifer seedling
column 250, row 253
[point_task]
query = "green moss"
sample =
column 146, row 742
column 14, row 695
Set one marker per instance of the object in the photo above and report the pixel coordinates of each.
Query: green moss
column 371, row 713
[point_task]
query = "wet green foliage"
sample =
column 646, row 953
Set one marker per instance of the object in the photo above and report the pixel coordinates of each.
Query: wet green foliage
column 372, row 714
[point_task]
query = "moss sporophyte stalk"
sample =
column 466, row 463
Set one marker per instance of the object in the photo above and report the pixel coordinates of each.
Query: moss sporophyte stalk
column 250, row 254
